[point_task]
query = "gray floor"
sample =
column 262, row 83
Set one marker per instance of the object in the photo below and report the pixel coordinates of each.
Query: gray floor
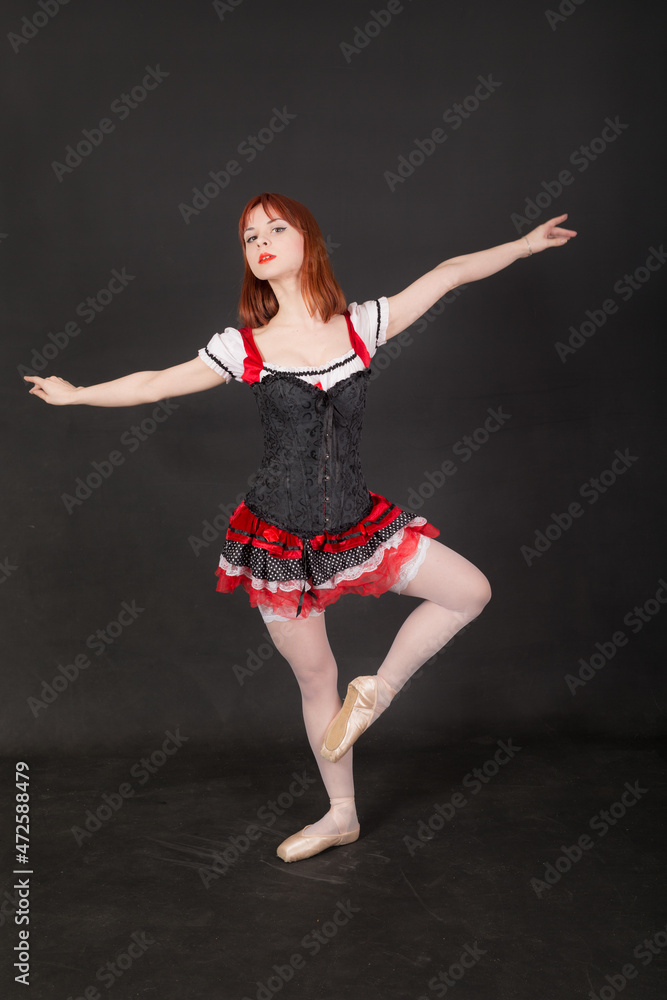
column 501, row 867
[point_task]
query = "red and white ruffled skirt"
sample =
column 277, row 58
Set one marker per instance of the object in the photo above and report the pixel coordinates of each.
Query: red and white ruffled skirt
column 286, row 575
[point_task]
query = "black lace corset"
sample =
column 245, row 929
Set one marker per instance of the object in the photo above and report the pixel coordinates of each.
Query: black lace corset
column 310, row 479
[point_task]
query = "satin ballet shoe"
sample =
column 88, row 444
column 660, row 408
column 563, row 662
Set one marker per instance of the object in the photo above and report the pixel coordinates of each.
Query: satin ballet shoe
column 304, row 845
column 366, row 699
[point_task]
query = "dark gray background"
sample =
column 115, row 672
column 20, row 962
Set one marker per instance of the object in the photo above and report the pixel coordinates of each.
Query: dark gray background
column 493, row 346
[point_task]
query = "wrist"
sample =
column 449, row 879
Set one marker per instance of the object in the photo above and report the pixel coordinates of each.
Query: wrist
column 526, row 246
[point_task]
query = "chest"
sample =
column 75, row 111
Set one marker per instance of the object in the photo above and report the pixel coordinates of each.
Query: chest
column 294, row 349
column 323, row 378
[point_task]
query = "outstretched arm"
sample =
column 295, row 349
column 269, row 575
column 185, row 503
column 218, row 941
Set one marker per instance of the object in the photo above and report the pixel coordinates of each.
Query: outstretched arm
column 406, row 307
column 130, row 390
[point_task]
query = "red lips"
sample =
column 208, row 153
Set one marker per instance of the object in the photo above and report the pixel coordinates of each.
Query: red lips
column 266, row 256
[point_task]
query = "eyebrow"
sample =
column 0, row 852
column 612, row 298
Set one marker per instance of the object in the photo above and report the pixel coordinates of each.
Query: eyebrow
column 278, row 219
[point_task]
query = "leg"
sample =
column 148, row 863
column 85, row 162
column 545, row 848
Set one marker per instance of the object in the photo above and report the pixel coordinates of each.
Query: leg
column 455, row 593
column 305, row 646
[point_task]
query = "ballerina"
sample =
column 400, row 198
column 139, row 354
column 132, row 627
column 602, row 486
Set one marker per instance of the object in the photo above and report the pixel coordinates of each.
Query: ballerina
column 309, row 530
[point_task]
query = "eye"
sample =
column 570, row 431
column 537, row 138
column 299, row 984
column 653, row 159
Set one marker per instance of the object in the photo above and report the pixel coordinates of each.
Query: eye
column 280, row 229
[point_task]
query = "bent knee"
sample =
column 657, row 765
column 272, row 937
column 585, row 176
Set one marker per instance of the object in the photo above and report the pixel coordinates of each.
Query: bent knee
column 483, row 593
column 477, row 596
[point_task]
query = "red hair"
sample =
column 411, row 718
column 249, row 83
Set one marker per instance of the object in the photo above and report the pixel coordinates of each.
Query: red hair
column 319, row 288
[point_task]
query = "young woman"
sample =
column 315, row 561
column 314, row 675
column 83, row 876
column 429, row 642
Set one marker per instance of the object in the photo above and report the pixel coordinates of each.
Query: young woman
column 309, row 530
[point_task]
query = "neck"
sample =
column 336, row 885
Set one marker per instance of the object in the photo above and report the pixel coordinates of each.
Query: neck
column 292, row 310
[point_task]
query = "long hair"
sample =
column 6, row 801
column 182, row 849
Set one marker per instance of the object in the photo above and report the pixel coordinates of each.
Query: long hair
column 319, row 287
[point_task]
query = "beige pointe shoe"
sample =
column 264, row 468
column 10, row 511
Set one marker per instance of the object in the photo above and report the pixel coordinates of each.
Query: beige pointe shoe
column 304, row 845
column 366, row 699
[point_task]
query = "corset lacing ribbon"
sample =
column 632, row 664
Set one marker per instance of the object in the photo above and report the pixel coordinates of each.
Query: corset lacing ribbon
column 325, row 404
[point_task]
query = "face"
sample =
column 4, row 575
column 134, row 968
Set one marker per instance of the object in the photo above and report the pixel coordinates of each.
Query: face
column 273, row 247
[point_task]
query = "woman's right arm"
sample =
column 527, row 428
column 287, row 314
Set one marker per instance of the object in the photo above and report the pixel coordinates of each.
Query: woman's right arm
column 130, row 390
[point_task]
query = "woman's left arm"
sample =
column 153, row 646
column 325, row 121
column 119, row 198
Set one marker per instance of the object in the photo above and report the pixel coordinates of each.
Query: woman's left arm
column 406, row 307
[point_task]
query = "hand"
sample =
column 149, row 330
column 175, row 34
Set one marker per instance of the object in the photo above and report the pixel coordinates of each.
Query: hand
column 53, row 389
column 548, row 235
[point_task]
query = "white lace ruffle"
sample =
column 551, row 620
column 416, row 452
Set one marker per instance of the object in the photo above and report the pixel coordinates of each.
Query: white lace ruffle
column 409, row 569
column 269, row 616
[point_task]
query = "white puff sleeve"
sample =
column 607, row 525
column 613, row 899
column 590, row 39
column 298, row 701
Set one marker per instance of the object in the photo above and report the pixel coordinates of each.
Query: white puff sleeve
column 370, row 320
column 225, row 354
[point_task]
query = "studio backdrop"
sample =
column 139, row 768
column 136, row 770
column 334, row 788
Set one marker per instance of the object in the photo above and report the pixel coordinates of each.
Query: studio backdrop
column 522, row 415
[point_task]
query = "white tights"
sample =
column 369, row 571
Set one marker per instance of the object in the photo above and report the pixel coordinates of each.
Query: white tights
column 455, row 592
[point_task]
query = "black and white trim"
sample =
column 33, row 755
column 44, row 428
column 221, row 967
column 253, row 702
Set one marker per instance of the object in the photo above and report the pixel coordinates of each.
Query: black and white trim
column 216, row 361
column 313, row 371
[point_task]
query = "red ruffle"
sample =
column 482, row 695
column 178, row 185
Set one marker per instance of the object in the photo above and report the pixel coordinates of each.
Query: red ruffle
column 247, row 528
